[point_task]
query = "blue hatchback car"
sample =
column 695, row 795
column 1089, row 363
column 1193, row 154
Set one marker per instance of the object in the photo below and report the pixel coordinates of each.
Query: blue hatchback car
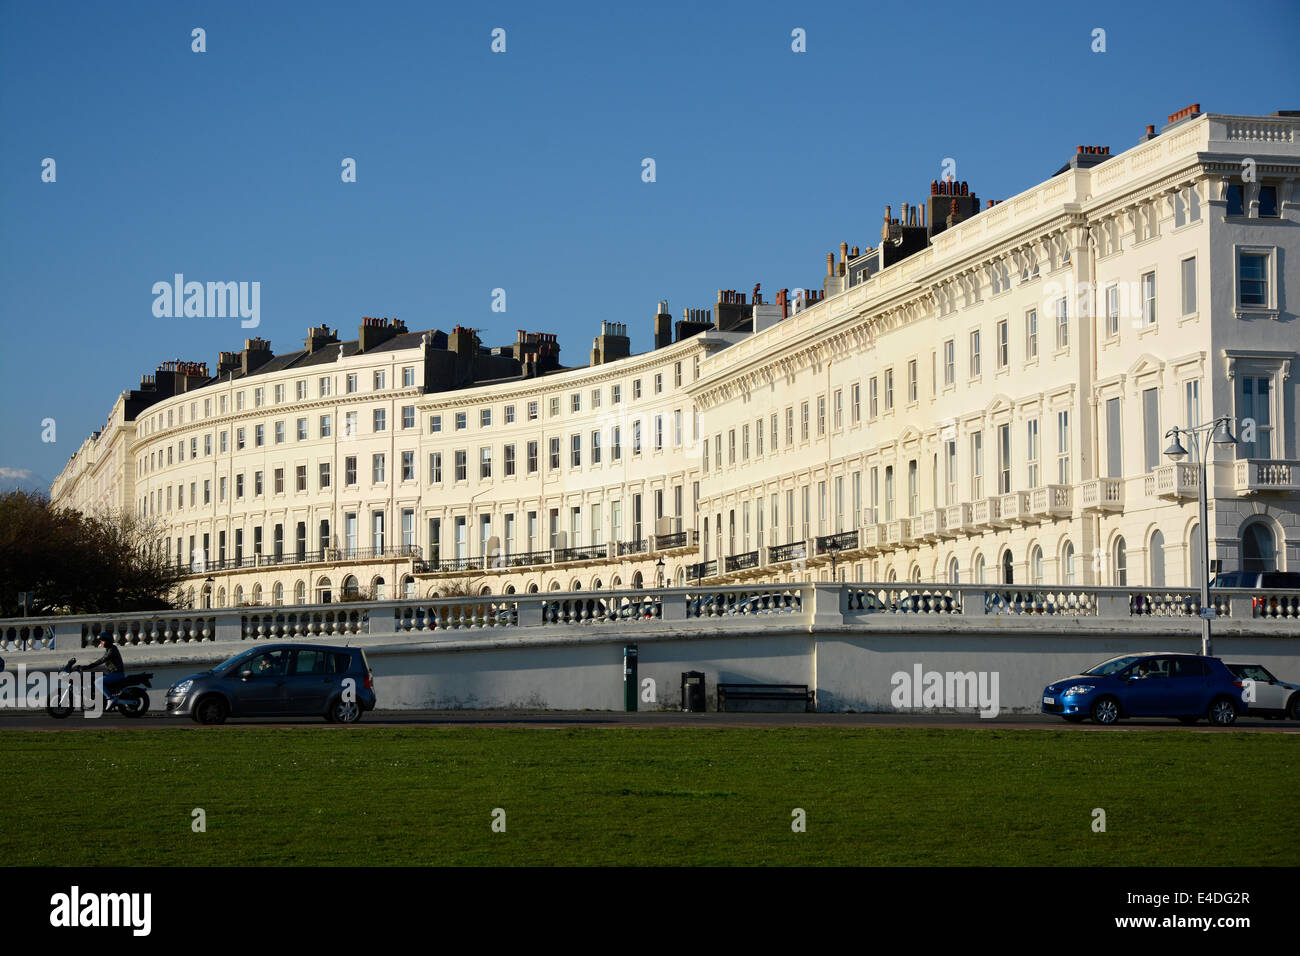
column 1161, row 684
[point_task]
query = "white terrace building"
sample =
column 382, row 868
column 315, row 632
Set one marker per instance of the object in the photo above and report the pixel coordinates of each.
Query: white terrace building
column 980, row 399
column 993, row 407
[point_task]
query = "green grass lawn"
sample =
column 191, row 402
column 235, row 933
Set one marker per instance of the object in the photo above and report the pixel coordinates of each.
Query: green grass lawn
column 646, row 796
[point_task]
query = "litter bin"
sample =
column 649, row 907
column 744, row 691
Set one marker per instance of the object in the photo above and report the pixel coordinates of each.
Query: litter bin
column 693, row 692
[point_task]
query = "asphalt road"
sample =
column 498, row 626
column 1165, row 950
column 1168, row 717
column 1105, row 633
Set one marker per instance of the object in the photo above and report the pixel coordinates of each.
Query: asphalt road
column 26, row 720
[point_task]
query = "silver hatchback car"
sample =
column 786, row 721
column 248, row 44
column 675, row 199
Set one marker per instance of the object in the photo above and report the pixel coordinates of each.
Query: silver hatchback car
column 279, row 680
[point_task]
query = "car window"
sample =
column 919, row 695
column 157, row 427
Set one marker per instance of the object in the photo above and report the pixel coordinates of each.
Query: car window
column 1151, row 667
column 307, row 663
column 1281, row 579
column 1250, row 672
column 267, row 664
column 342, row 663
column 1112, row 666
column 1189, row 667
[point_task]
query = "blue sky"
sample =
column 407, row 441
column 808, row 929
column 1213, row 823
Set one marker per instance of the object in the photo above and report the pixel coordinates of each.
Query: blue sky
column 522, row 170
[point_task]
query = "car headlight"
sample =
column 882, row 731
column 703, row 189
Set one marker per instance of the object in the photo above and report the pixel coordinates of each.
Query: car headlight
column 1078, row 689
column 181, row 689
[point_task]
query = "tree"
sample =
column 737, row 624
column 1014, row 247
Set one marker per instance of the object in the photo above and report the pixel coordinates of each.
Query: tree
column 75, row 563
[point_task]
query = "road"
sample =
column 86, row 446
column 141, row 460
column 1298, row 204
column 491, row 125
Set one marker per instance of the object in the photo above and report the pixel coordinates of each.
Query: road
column 27, row 720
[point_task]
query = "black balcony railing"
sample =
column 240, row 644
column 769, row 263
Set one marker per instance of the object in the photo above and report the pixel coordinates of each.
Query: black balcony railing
column 787, row 552
column 449, row 565
column 526, row 559
column 320, row 555
column 595, row 552
column 742, row 562
column 844, row 541
column 632, row 547
column 704, row 569
column 666, row 542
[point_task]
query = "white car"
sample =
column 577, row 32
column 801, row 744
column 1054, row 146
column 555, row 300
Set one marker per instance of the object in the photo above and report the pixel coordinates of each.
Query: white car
column 1273, row 698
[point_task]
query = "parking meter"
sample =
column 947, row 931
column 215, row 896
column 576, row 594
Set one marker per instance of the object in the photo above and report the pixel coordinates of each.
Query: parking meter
column 629, row 678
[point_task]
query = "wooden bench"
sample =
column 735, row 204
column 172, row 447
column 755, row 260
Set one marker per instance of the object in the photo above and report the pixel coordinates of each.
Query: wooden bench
column 789, row 693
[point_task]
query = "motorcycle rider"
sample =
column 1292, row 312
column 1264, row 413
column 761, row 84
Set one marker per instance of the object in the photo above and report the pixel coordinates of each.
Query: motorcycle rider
column 114, row 669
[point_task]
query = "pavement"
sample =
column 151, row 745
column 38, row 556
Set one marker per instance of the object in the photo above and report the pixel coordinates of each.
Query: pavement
column 13, row 720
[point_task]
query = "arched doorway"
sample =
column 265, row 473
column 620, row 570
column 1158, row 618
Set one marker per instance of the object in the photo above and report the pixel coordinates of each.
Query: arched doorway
column 1157, row 550
column 1258, row 552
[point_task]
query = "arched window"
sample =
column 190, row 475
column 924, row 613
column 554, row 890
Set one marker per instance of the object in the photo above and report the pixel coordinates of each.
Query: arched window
column 379, row 589
column 408, row 588
column 510, row 589
column 277, row 594
column 323, row 593
column 1157, row 551
column 300, row 593
column 595, row 584
column 486, row 589
column 351, row 590
column 207, row 595
column 954, row 570
column 1067, row 564
column 916, row 573
column 892, row 576
column 532, row 588
column 637, row 581
column 979, row 569
column 681, row 577
column 1119, row 555
column 1257, row 550
column 1008, row 568
column 239, row 594
column 555, row 585
column 1036, row 566
column 575, row 585
column 221, row 597
column 257, row 594
column 616, row 582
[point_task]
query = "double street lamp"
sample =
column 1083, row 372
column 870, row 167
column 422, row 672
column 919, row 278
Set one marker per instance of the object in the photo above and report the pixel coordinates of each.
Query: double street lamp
column 1218, row 432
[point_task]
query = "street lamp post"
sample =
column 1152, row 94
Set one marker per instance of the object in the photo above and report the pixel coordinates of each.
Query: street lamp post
column 1218, row 432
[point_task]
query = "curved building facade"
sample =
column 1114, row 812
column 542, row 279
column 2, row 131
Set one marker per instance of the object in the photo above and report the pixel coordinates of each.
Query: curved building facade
column 984, row 396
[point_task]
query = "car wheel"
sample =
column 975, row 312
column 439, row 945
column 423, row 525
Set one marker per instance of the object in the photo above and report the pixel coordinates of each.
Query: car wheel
column 1190, row 719
column 1293, row 707
column 1106, row 710
column 1223, row 712
column 344, row 711
column 211, row 710
column 1072, row 718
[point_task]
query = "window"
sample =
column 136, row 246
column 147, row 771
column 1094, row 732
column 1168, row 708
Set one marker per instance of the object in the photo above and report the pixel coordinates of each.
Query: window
column 532, row 457
column 207, row 444
column 889, row 389
column 950, row 471
column 377, row 531
column 1112, row 310
column 279, row 433
column 555, row 454
column 975, row 354
column 408, row 377
column 350, row 425
column 659, row 382
column 659, row 433
column 789, row 426
column 1188, row 272
column 1063, row 447
column 1062, row 324
column 378, row 468
column 509, row 462
column 510, row 415
column 1004, row 459
column 324, row 474
column 259, row 399
column 615, row 394
column 324, row 385
column 352, row 383
column 1114, row 440
column 636, row 437
column 381, row 380
column 575, row 402
column 774, row 427
column 977, row 465
column 1192, row 402
column 1148, row 298
column 873, row 400
column 1031, row 334
column 408, row 466
column 913, row 390
column 259, row 437
column 1151, row 428
column 744, row 455
column 821, row 415
column 435, row 423
column 239, row 486
column 1268, row 202
column 1031, row 450
column 300, row 478
column 889, row 493
column 949, row 362
column 485, row 462
column 616, row 444
column 408, row 416
column 350, row 470
column 554, row 406
column 1258, row 552
column 1236, row 200
column 461, row 421
column 636, row 389
column 575, row 451
column 435, row 468
column 678, row 435
column 239, row 439
column 1253, row 274
column 855, row 399
column 1067, row 564
column 325, row 426
column 462, row 466
column 301, row 429
column 279, row 481
column 1120, row 557
column 1254, row 416
column 803, row 422
column 532, row 411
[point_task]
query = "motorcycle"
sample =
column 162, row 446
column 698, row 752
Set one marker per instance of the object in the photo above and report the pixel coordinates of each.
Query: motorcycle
column 129, row 697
